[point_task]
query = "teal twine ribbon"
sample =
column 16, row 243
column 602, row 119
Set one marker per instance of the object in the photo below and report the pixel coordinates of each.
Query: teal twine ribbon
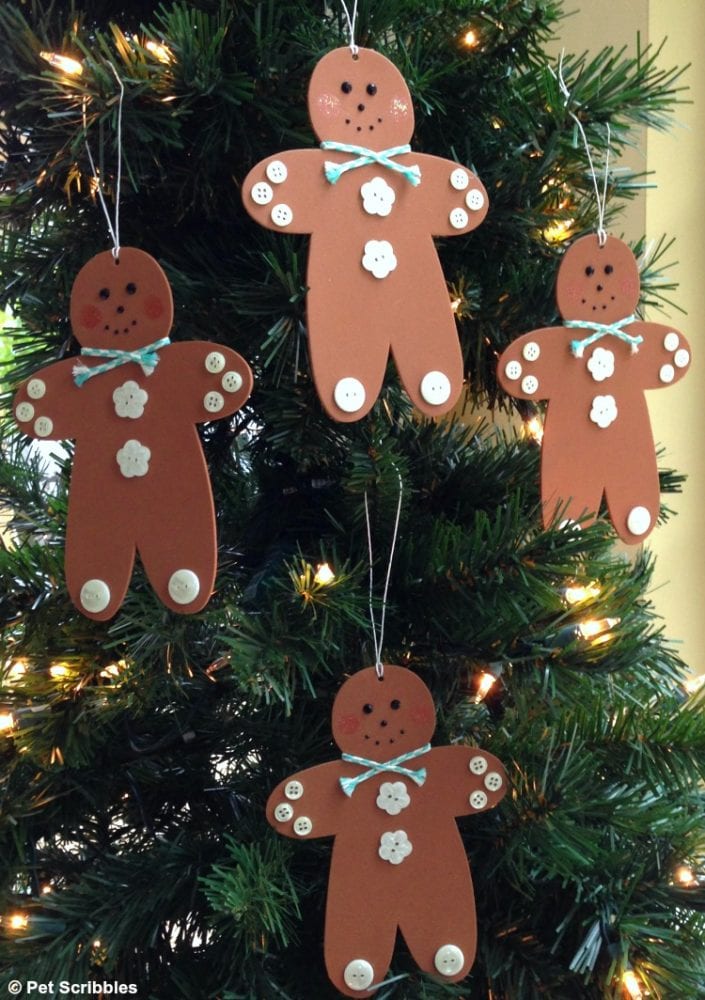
column 375, row 767
column 602, row 330
column 147, row 357
column 364, row 156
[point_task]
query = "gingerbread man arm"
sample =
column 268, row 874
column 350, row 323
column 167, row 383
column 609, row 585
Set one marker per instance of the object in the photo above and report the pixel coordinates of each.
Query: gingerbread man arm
column 50, row 405
column 530, row 367
column 310, row 803
column 663, row 356
column 470, row 780
column 209, row 381
column 456, row 198
column 284, row 192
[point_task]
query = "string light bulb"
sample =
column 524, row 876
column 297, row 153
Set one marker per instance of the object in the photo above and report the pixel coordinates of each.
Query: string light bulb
column 18, row 921
column 558, row 231
column 534, row 428
column 577, row 593
column 160, row 51
column 471, row 39
column 632, row 986
column 685, row 876
column 72, row 67
column 595, row 629
column 485, row 683
column 324, row 575
column 58, row 671
column 17, row 669
column 693, row 684
column 7, row 721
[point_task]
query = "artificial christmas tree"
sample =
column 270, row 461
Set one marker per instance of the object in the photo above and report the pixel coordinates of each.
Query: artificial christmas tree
column 138, row 753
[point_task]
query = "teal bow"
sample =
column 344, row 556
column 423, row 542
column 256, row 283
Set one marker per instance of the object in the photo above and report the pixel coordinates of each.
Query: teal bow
column 375, row 767
column 383, row 157
column 602, row 330
column 147, row 357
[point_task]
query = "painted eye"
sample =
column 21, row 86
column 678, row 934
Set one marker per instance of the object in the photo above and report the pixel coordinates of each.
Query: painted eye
column 589, row 270
column 346, row 87
column 368, row 709
column 104, row 293
column 609, row 269
column 371, row 89
column 395, row 704
column 131, row 288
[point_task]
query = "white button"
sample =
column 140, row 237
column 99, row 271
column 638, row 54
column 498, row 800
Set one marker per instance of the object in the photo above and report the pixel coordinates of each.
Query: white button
column 130, row 400
column 377, row 197
column 394, row 846
column 24, row 412
column 379, row 258
column 133, row 459
column 184, row 586
column 512, row 370
column 213, row 402
column 604, row 411
column 349, row 395
column 667, row 373
column 475, row 200
column 215, row 362
column 681, row 358
column 393, row 797
column 459, row 179
column 302, row 826
column 43, row 426
column 639, row 521
column 276, row 172
column 449, row 960
column 261, row 193
column 458, row 218
column 671, row 341
column 232, row 382
column 358, row 974
column 531, row 351
column 294, row 790
column 478, row 765
column 478, row 800
column 281, row 215
column 493, row 781
column 36, row 388
column 95, row 595
column 283, row 812
column 435, row 388
column 529, row 384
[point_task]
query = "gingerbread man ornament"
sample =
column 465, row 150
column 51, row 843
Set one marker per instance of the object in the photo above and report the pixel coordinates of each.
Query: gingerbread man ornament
column 398, row 859
column 371, row 207
column 593, row 371
column 139, row 480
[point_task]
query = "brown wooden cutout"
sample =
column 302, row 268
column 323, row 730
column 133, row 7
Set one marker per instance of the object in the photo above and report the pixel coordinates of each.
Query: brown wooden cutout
column 139, row 480
column 398, row 859
column 593, row 371
column 375, row 282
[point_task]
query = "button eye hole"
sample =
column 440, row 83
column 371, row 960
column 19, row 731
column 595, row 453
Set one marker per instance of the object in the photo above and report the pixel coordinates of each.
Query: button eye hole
column 131, row 288
column 371, row 89
column 608, row 269
column 395, row 704
column 368, row 709
column 589, row 270
column 104, row 293
column 346, row 87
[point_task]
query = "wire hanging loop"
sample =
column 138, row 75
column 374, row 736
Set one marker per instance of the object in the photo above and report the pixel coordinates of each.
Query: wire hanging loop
column 600, row 196
column 378, row 635
column 351, row 26
column 113, row 228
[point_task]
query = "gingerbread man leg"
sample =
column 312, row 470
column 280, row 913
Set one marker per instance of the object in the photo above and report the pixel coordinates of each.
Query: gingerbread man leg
column 633, row 493
column 565, row 462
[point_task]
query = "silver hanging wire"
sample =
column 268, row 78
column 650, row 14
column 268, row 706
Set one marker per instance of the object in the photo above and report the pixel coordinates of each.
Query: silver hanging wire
column 113, row 228
column 378, row 636
column 351, row 25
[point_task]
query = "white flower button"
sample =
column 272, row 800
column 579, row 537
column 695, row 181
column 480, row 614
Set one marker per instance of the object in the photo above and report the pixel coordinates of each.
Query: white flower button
column 681, row 358
column 302, row 826
column 601, row 364
column 24, row 412
column 349, row 395
column 283, row 812
column 393, row 797
column 604, row 411
column 458, row 218
column 493, row 781
column 671, row 341
column 43, row 426
column 512, row 370
column 215, row 362
column 293, row 790
column 261, row 193
column 36, row 388
column 133, row 459
column 529, row 384
column 459, row 179
column 213, row 402
column 475, row 200
column 358, row 974
column 449, row 960
column 183, row 586
column 377, row 197
column 478, row 800
column 478, row 765
column 95, row 596
column 435, row 388
column 639, row 520
column 531, row 351
column 281, row 215
column 232, row 382
column 379, row 258
column 130, row 400
column 667, row 373
column 394, row 847
column 276, row 172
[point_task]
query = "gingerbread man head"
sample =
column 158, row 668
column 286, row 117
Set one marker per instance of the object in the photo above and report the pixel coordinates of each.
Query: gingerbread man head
column 121, row 303
column 380, row 719
column 360, row 99
column 599, row 283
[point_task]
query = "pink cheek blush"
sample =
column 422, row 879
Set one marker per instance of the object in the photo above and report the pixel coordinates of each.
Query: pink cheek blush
column 328, row 106
column 348, row 724
column 629, row 287
column 90, row 317
column 153, row 307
